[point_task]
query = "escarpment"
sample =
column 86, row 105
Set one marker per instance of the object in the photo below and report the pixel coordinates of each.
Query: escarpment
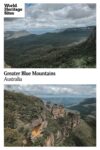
column 31, row 122
column 65, row 121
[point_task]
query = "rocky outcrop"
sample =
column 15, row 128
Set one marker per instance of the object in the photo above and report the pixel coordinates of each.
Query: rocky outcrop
column 57, row 111
column 48, row 125
column 49, row 140
column 48, row 106
column 73, row 119
column 24, row 142
column 58, row 134
column 38, row 126
column 36, row 122
column 31, row 124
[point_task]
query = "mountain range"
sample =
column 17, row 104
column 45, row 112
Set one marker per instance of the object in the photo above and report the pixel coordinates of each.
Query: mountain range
column 68, row 48
column 64, row 100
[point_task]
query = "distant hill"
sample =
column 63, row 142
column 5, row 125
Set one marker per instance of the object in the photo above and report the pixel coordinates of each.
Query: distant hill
column 89, row 101
column 69, row 48
column 65, row 100
column 15, row 34
column 87, row 107
column 30, row 122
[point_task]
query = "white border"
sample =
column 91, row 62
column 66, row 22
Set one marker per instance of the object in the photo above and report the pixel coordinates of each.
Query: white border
column 68, row 76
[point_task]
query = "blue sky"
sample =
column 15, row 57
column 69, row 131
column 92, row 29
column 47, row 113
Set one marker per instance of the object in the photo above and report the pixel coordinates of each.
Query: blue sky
column 53, row 16
column 55, row 90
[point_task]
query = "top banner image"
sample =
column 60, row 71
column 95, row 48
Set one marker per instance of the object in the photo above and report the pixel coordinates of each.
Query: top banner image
column 53, row 35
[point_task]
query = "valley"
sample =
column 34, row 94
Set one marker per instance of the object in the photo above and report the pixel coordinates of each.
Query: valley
column 68, row 48
column 28, row 121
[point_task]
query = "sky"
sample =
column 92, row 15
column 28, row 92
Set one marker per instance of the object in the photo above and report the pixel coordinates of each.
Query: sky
column 55, row 90
column 49, row 17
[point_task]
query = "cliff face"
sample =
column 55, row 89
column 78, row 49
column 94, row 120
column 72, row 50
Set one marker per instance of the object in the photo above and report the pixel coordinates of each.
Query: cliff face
column 57, row 111
column 29, row 122
column 38, row 125
column 43, row 125
column 73, row 120
column 68, row 121
column 49, row 141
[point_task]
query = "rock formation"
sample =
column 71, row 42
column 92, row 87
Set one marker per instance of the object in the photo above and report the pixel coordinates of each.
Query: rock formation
column 57, row 111
column 38, row 126
column 29, row 122
column 50, row 140
column 73, row 120
column 58, row 134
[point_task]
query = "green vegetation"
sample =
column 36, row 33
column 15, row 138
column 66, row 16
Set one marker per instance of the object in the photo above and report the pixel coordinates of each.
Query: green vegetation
column 26, row 106
column 87, row 107
column 53, row 50
column 83, row 135
column 18, row 114
column 20, row 110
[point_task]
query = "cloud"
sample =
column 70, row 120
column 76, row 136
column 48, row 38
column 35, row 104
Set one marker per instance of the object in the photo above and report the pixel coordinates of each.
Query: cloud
column 79, row 12
column 53, row 16
column 57, row 90
column 92, row 6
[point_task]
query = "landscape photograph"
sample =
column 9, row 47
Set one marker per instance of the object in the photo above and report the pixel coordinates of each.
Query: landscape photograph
column 58, row 35
column 50, row 115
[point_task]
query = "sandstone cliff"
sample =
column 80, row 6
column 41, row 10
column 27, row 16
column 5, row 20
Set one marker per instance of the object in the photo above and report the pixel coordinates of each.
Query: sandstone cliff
column 30, row 122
